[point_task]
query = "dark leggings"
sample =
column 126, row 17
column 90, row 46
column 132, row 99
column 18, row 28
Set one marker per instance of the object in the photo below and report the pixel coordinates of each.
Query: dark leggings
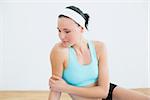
column 111, row 88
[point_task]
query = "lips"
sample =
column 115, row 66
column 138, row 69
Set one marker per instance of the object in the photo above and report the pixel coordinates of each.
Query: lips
column 66, row 44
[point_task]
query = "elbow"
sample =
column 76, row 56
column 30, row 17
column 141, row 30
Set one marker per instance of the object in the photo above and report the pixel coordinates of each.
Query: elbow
column 105, row 92
column 105, row 95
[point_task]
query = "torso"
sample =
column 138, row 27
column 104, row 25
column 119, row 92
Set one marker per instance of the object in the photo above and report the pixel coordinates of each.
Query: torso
column 85, row 59
column 75, row 97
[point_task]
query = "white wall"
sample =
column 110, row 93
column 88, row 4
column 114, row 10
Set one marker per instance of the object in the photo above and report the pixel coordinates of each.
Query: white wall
column 28, row 32
column 148, row 43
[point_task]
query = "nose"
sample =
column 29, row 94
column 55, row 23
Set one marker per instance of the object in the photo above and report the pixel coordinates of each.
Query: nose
column 62, row 36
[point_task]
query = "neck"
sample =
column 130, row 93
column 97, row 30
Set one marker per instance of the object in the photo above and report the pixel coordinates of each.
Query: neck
column 81, row 45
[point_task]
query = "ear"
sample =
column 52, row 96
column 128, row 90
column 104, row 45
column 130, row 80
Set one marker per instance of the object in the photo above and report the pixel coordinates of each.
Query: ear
column 82, row 29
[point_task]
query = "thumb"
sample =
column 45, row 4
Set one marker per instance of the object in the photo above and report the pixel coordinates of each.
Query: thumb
column 56, row 77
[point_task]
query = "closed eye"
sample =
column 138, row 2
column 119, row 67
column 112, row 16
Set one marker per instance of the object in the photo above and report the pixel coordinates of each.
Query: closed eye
column 67, row 32
column 58, row 30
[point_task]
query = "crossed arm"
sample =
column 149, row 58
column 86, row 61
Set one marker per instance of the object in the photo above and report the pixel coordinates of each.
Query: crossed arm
column 100, row 91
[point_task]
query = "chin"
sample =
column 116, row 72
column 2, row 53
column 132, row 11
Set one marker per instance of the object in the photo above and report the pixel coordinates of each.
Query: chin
column 66, row 45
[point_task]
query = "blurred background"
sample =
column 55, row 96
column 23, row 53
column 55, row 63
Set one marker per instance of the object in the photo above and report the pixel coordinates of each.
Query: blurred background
column 28, row 33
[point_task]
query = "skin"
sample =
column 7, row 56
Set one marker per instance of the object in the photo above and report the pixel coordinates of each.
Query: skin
column 71, row 34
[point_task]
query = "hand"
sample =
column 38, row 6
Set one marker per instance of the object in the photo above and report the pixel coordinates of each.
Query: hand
column 57, row 84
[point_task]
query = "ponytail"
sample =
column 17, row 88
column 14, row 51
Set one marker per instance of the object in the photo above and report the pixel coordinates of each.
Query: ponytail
column 86, row 20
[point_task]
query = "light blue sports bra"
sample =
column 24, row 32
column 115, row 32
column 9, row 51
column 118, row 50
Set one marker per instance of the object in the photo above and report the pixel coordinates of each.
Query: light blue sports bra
column 81, row 74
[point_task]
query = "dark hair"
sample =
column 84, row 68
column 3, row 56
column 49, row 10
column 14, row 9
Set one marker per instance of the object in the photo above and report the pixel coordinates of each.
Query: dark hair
column 84, row 15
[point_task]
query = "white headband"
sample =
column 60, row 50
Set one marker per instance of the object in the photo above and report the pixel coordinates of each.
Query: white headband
column 75, row 16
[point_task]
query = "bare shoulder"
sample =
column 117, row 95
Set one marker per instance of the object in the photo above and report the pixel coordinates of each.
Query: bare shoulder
column 100, row 47
column 57, row 57
column 98, row 44
column 58, row 50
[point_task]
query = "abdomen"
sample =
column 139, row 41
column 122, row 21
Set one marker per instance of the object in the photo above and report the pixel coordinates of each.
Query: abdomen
column 75, row 97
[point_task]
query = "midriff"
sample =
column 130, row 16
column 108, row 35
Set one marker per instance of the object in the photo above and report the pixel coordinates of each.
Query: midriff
column 75, row 97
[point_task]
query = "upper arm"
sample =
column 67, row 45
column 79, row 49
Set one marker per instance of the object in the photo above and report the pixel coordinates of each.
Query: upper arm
column 103, row 78
column 57, row 60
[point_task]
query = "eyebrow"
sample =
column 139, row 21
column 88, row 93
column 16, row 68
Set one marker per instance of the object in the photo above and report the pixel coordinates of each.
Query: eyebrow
column 63, row 29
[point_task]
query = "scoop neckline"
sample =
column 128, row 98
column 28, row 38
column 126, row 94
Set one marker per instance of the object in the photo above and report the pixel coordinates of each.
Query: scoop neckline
column 90, row 56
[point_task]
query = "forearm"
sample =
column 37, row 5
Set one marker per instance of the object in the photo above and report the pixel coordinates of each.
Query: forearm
column 91, row 92
column 54, row 95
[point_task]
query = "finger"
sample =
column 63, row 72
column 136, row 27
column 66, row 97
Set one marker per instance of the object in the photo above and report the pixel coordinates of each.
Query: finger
column 49, row 81
column 56, row 77
column 51, row 84
column 50, row 77
column 52, row 81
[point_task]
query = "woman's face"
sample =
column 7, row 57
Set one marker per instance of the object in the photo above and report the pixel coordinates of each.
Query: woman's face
column 69, row 31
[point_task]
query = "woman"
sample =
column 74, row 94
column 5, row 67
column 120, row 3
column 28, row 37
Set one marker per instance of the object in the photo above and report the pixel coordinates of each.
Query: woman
column 79, row 66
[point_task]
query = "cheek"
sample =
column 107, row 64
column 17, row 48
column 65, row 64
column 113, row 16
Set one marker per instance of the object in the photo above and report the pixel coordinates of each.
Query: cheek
column 70, row 38
column 73, row 39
